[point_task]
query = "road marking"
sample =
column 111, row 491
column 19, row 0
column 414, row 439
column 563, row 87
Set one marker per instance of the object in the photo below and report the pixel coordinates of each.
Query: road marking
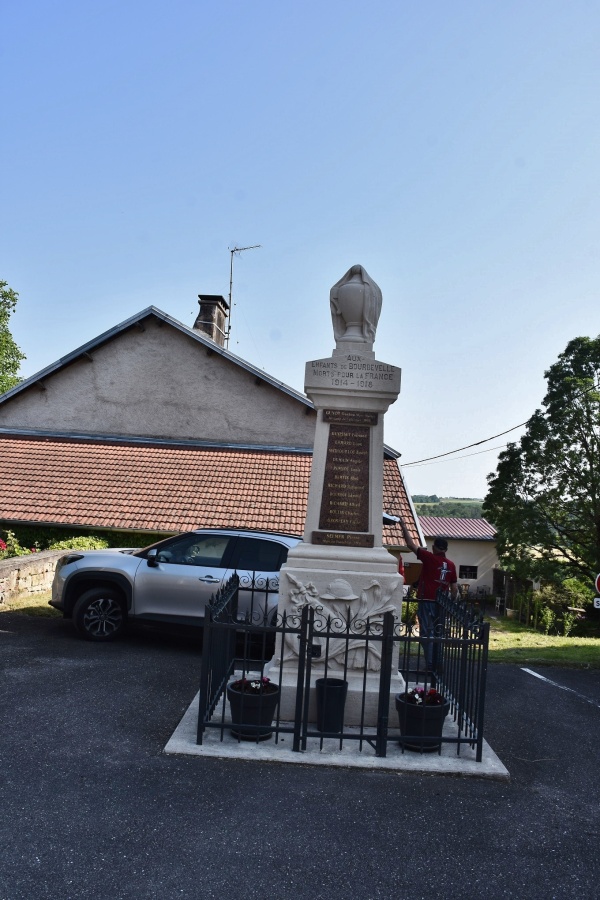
column 561, row 686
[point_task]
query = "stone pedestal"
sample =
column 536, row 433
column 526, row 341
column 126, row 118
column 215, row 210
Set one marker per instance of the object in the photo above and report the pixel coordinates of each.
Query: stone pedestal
column 342, row 568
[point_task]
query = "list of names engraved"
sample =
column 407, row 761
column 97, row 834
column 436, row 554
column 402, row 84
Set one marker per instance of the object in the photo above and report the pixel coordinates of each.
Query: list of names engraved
column 345, row 502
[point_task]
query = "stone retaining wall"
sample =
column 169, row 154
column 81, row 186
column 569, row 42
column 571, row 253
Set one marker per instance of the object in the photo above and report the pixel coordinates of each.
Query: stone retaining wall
column 27, row 575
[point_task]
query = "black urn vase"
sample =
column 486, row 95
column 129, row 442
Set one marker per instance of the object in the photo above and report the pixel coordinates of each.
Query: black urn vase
column 331, row 702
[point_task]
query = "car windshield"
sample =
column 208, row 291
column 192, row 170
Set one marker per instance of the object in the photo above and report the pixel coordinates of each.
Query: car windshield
column 207, row 549
column 190, row 548
column 195, row 550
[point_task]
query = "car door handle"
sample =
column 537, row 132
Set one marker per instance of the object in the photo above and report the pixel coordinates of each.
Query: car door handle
column 210, row 580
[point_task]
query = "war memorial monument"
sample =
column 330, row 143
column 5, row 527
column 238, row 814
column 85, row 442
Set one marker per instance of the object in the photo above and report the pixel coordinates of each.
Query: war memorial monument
column 341, row 568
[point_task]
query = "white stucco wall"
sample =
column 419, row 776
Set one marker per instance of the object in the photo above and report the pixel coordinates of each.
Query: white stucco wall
column 474, row 553
column 161, row 383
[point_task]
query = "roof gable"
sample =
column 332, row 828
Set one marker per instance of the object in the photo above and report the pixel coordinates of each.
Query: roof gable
column 19, row 413
column 85, row 351
column 153, row 377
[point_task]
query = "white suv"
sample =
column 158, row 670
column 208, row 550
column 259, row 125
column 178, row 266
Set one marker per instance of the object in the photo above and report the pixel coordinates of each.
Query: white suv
column 170, row 581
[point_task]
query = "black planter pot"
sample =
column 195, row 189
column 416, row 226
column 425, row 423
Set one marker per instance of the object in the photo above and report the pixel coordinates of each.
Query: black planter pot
column 421, row 726
column 331, row 701
column 252, row 714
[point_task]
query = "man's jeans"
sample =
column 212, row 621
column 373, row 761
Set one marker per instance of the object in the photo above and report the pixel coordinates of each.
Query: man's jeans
column 429, row 619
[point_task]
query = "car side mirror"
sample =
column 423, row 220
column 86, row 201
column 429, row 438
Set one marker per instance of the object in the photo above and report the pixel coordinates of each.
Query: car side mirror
column 152, row 558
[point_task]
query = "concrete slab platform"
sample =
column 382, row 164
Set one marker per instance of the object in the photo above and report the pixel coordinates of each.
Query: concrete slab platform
column 183, row 741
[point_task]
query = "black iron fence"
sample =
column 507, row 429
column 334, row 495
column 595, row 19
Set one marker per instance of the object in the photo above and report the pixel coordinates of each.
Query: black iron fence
column 328, row 652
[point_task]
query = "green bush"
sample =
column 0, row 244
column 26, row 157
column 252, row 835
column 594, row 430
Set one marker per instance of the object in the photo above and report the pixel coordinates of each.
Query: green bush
column 10, row 546
column 547, row 619
column 579, row 594
column 61, row 537
column 568, row 621
column 570, row 592
column 80, row 543
column 558, row 597
column 409, row 613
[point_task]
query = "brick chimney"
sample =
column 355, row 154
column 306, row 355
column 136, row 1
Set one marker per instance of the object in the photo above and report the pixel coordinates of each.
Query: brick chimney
column 212, row 318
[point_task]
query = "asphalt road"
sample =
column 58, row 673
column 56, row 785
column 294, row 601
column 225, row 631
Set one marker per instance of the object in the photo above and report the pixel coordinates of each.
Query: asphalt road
column 91, row 807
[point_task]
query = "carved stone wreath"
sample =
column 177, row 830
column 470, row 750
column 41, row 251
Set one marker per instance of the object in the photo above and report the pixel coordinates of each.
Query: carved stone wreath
column 336, row 612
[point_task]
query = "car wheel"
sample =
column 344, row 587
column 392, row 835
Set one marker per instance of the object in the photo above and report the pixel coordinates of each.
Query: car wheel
column 98, row 615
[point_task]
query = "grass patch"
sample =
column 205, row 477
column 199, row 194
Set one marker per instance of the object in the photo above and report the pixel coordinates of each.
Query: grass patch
column 31, row 605
column 511, row 642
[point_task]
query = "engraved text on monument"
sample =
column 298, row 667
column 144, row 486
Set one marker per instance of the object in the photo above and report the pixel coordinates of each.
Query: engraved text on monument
column 345, row 503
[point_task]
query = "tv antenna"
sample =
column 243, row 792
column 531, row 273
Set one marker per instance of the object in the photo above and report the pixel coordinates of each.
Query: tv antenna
column 233, row 251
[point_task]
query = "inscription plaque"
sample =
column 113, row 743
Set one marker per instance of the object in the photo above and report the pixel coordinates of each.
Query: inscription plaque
column 345, row 500
column 349, row 417
column 342, row 538
column 351, row 370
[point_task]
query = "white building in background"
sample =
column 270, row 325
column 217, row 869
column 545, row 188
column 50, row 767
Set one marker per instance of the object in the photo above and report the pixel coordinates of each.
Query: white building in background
column 471, row 547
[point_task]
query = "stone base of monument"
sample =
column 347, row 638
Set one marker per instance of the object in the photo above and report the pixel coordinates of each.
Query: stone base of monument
column 350, row 589
column 359, row 689
column 336, row 561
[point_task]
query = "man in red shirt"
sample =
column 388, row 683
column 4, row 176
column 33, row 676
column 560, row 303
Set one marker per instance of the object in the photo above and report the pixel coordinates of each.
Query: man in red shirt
column 438, row 574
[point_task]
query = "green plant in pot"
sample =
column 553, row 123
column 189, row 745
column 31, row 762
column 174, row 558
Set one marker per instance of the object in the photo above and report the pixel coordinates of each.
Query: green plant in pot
column 253, row 702
column 421, row 714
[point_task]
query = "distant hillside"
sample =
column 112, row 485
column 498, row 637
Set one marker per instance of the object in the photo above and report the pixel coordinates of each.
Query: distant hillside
column 448, row 507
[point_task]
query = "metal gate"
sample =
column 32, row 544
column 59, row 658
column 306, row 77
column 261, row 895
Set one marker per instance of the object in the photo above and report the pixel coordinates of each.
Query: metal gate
column 240, row 646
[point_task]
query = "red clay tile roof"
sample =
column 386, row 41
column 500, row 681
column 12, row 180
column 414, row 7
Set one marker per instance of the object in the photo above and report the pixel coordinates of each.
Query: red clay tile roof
column 162, row 488
column 457, row 529
column 396, row 503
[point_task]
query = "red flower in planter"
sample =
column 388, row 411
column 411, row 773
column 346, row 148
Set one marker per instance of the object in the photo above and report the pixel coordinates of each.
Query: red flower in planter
column 254, row 686
column 421, row 697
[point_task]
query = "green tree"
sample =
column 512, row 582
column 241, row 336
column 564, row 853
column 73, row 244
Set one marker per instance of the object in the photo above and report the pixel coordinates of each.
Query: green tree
column 10, row 355
column 449, row 509
column 544, row 497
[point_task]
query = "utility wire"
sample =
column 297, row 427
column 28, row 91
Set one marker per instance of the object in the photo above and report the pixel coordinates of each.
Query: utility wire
column 594, row 387
column 466, row 447
column 464, row 456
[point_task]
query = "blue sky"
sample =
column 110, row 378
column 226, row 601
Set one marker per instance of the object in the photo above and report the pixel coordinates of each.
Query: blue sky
column 450, row 148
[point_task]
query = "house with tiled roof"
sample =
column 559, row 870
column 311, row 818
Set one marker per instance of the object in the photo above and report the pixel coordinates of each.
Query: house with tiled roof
column 156, row 427
column 471, row 547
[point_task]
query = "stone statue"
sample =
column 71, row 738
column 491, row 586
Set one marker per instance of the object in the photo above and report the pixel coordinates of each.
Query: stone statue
column 355, row 307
